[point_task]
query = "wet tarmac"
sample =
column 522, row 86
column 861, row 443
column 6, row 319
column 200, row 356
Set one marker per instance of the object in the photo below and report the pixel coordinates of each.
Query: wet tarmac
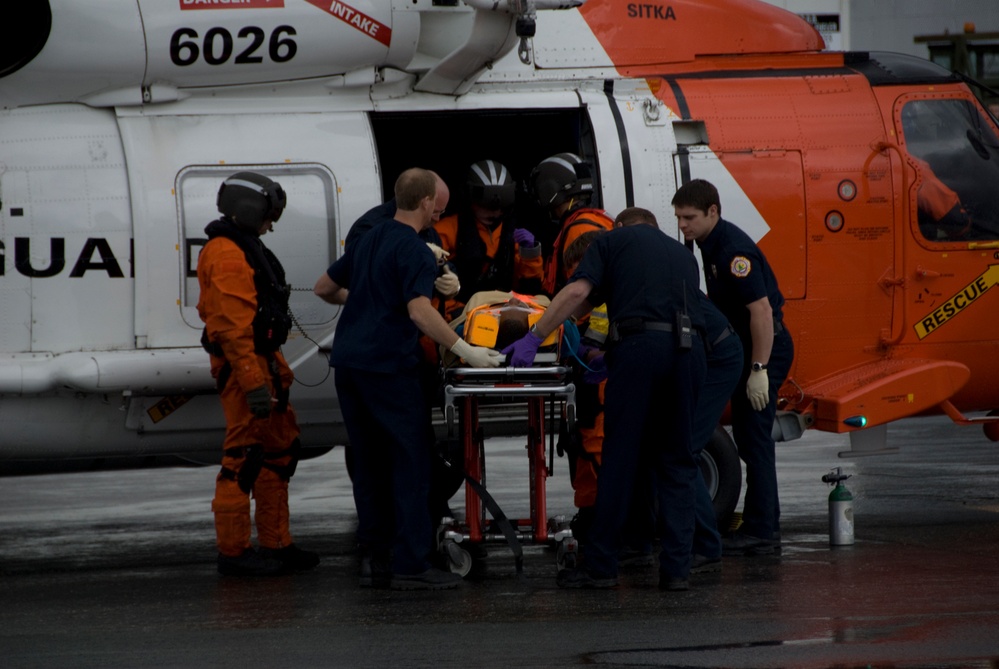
column 116, row 569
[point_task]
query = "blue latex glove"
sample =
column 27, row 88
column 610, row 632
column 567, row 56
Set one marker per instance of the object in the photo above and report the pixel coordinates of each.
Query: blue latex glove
column 597, row 371
column 523, row 350
column 523, row 237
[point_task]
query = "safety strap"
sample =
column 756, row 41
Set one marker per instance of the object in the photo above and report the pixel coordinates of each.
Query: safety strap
column 504, row 523
column 256, row 459
column 568, row 444
column 225, row 373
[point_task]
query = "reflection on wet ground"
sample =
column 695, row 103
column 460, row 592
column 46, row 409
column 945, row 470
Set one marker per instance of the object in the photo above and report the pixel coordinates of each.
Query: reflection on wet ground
column 117, row 569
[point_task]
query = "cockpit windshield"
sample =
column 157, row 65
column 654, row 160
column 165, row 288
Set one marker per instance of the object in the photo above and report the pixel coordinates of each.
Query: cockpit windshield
column 956, row 152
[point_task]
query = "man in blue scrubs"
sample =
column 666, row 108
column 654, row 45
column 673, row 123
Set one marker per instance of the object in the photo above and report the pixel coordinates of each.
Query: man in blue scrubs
column 385, row 281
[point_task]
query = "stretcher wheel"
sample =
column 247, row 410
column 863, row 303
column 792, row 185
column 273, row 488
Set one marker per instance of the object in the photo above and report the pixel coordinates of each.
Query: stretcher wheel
column 459, row 561
column 566, row 554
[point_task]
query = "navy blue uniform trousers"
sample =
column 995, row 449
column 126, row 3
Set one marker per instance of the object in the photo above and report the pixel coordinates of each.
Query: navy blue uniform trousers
column 651, row 396
column 725, row 361
column 753, row 433
column 386, row 418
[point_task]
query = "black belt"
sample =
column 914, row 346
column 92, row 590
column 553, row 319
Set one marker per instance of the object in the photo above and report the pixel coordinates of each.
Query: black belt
column 636, row 326
column 729, row 330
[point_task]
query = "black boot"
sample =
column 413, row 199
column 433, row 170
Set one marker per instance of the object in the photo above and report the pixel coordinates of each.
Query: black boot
column 249, row 563
column 292, row 557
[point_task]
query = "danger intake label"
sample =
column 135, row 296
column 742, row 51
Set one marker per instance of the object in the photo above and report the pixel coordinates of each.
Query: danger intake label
column 355, row 19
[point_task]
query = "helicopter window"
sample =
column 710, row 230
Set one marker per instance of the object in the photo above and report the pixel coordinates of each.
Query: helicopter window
column 956, row 152
column 20, row 46
column 306, row 228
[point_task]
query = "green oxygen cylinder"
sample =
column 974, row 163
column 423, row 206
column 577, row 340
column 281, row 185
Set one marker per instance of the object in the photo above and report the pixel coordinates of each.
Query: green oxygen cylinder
column 840, row 509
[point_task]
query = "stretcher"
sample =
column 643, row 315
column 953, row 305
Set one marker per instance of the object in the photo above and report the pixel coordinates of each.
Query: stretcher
column 465, row 391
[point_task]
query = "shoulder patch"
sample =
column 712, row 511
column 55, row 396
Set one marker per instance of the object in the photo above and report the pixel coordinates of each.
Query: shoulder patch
column 740, row 267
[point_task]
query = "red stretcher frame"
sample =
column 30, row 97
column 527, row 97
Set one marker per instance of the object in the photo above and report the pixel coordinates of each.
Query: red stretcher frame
column 464, row 390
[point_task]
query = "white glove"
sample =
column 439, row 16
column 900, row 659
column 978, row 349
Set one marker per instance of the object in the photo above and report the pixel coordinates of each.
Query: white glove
column 440, row 255
column 758, row 389
column 477, row 356
column 447, row 283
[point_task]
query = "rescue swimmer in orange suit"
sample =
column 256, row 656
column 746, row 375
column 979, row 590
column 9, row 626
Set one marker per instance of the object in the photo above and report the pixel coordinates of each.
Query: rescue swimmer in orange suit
column 586, row 445
column 244, row 305
column 564, row 186
column 486, row 247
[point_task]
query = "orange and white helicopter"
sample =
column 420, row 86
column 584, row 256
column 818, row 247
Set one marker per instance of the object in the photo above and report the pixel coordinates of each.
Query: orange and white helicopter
column 118, row 123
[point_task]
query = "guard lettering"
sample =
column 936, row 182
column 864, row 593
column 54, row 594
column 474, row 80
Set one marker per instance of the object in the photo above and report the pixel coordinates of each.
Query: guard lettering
column 85, row 262
column 650, row 11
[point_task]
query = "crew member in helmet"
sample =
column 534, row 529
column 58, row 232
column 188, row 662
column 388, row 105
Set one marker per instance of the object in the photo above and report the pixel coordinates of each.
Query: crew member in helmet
column 244, row 305
column 563, row 185
column 486, row 247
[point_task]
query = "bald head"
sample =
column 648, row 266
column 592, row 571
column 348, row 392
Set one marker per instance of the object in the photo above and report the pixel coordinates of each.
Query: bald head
column 443, row 195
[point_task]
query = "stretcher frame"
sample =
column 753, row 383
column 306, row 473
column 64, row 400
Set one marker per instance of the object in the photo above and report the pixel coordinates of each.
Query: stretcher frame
column 465, row 389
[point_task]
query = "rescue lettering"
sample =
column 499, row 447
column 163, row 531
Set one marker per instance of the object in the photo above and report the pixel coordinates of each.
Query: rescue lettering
column 230, row 4
column 650, row 11
column 958, row 303
column 85, row 261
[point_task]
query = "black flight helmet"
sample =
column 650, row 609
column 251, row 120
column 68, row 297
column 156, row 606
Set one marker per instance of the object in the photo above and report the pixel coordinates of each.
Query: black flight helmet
column 250, row 199
column 490, row 185
column 562, row 177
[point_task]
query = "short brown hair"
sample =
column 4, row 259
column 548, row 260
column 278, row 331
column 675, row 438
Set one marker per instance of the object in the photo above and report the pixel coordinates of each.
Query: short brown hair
column 699, row 194
column 636, row 216
column 413, row 186
column 575, row 251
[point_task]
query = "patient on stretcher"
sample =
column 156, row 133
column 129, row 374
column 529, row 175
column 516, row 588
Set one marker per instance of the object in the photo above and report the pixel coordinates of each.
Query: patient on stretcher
column 496, row 319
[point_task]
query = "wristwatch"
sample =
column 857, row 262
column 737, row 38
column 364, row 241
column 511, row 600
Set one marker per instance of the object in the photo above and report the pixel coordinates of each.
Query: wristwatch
column 759, row 366
column 534, row 330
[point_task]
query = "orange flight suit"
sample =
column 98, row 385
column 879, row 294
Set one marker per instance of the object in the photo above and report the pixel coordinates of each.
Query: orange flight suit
column 584, row 479
column 227, row 305
column 940, row 203
column 578, row 222
column 525, row 266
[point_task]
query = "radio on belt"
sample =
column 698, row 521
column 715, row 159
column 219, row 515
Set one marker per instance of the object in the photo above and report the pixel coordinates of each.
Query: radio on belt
column 684, row 331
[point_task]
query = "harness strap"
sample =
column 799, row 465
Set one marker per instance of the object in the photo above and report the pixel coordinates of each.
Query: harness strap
column 504, row 523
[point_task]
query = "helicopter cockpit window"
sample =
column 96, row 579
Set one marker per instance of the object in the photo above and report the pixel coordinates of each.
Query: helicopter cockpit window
column 956, row 153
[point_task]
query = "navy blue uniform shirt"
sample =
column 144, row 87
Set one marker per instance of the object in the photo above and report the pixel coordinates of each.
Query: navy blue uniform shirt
column 736, row 274
column 379, row 214
column 384, row 270
column 715, row 322
column 640, row 272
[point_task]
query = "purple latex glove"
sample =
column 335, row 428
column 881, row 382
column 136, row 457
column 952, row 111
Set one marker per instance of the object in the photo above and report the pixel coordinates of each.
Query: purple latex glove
column 523, row 237
column 523, row 350
column 597, row 371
